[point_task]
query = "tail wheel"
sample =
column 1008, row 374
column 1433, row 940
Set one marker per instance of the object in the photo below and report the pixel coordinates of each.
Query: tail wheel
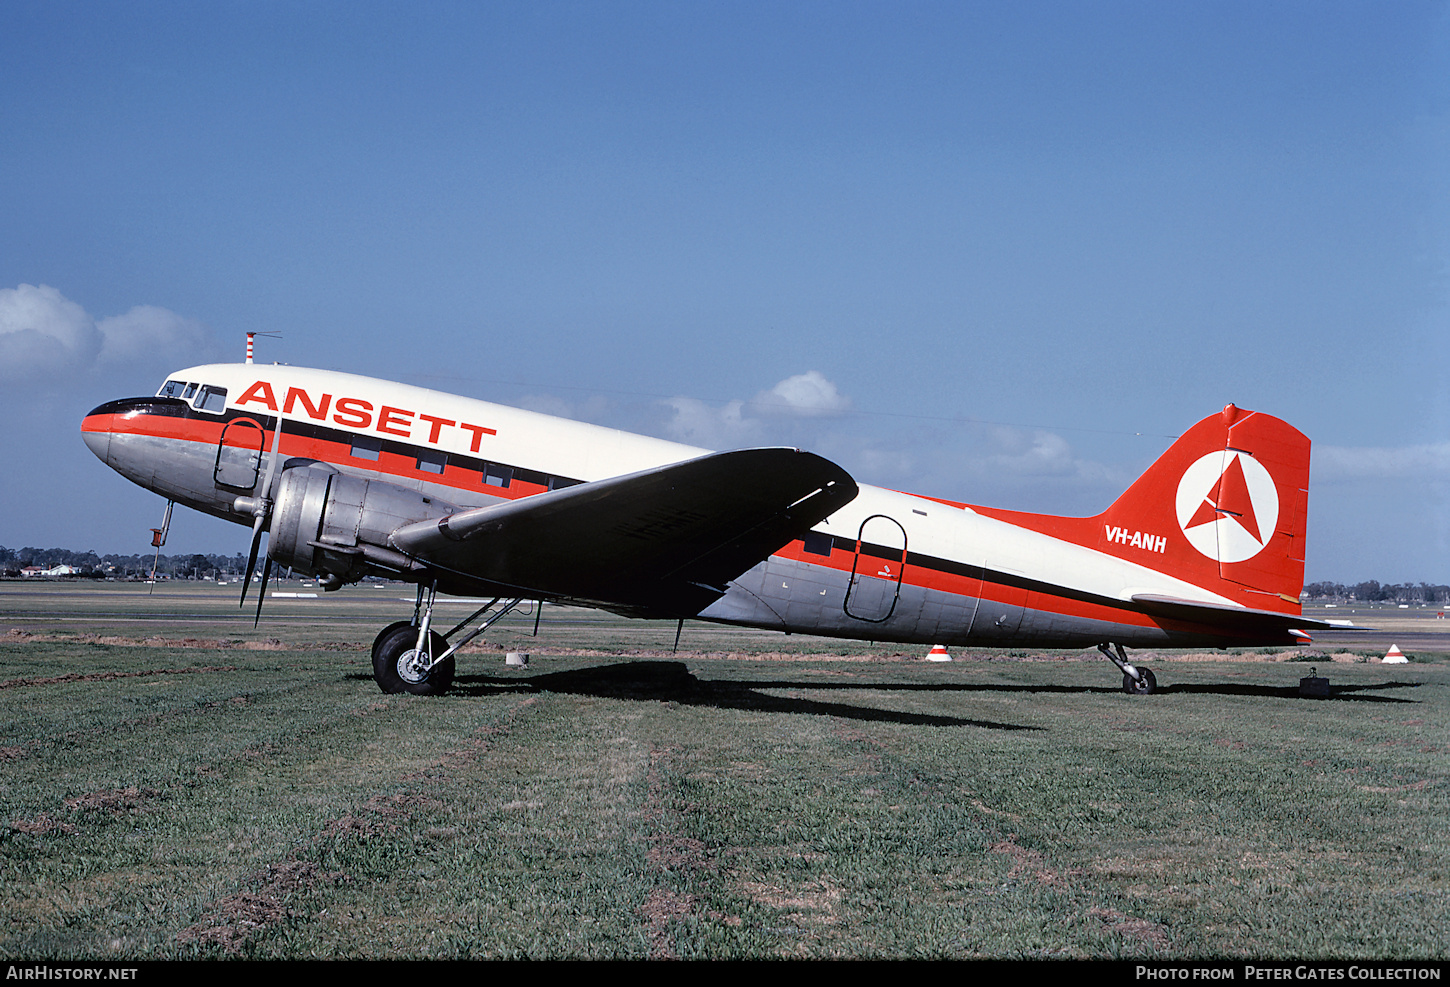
column 398, row 666
column 1146, row 685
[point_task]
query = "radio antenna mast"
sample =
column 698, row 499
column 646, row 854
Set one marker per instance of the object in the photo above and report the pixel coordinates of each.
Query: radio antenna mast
column 253, row 335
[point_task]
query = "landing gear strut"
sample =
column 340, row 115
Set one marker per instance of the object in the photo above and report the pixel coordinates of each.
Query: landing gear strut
column 1136, row 681
column 409, row 656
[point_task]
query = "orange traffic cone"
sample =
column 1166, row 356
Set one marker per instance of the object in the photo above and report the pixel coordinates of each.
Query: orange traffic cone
column 1395, row 656
column 938, row 653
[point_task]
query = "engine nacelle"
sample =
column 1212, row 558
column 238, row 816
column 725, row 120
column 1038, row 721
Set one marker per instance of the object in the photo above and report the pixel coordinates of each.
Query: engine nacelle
column 335, row 526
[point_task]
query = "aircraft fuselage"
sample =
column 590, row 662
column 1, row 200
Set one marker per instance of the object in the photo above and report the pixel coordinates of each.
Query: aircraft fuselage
column 887, row 566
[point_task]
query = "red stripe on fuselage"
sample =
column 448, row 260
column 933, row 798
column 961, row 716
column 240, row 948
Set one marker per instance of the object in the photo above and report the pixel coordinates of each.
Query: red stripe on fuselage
column 158, row 426
column 956, row 584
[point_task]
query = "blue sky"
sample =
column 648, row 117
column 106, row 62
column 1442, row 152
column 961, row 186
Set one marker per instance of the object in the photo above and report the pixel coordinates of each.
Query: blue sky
column 993, row 252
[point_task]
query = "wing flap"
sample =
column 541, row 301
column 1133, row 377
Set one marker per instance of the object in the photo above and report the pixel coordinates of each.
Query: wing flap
column 665, row 540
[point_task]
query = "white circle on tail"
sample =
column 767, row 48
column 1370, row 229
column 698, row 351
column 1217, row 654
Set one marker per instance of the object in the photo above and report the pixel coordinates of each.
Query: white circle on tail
column 1228, row 506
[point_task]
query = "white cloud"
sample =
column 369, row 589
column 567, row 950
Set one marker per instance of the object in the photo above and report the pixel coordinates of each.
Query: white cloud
column 1037, row 453
column 595, row 408
column 43, row 334
column 147, row 331
column 738, row 423
column 548, row 404
column 1329, row 463
column 885, row 463
column 809, row 394
column 1007, row 466
column 700, row 424
column 46, row 337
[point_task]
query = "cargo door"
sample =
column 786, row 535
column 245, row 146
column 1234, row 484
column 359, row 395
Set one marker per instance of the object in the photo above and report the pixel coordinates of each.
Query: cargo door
column 877, row 570
column 239, row 454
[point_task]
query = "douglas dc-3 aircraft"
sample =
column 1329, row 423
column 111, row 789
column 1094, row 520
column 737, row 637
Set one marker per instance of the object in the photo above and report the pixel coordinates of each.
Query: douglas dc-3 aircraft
column 368, row 477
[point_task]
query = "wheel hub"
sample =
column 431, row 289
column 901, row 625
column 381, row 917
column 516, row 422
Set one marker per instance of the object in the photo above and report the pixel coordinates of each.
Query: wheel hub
column 413, row 666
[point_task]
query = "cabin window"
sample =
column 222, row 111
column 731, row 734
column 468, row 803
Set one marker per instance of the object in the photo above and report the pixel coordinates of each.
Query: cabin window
column 366, row 447
column 818, row 543
column 432, row 462
column 212, row 400
column 532, row 476
column 495, row 475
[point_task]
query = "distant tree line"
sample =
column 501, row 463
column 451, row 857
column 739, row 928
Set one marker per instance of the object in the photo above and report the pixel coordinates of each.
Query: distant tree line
column 95, row 566
column 1373, row 592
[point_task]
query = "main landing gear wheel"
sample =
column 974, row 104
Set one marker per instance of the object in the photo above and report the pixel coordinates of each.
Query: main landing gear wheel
column 378, row 641
column 399, row 667
column 1140, row 687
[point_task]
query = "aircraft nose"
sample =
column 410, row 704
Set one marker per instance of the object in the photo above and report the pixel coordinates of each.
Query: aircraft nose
column 96, row 428
column 102, row 421
column 99, row 443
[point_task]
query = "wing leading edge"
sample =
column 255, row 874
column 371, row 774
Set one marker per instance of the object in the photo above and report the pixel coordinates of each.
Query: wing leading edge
column 662, row 542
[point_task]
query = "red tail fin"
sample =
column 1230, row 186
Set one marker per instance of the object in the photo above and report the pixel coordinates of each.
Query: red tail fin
column 1231, row 496
column 1224, row 508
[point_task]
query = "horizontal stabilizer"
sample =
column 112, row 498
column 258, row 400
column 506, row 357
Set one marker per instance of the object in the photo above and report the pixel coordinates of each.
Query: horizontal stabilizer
column 666, row 540
column 1240, row 620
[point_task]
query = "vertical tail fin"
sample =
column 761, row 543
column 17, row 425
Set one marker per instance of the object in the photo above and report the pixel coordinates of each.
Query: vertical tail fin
column 1224, row 508
column 1227, row 505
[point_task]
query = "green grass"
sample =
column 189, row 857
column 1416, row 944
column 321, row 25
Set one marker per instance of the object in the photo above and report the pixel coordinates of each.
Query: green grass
column 272, row 803
column 284, row 808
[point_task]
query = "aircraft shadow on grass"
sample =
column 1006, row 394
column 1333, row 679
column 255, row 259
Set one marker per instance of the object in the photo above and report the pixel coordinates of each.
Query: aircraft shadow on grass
column 672, row 681
column 1345, row 693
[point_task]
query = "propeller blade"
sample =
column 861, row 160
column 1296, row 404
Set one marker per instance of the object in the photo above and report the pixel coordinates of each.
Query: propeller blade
column 264, row 510
column 266, row 573
column 251, row 558
column 272, row 461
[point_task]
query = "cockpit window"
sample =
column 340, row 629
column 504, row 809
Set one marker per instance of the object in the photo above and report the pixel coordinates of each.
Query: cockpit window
column 172, row 389
column 211, row 399
column 189, row 393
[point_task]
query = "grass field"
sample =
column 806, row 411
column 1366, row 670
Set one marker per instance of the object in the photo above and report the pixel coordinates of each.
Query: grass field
column 251, row 793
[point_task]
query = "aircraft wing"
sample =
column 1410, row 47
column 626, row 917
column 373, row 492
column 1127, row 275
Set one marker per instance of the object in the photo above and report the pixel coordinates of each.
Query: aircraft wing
column 663, row 542
column 1229, row 617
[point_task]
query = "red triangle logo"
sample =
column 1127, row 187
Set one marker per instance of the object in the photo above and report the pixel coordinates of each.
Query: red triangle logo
column 1229, row 496
column 1206, row 513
